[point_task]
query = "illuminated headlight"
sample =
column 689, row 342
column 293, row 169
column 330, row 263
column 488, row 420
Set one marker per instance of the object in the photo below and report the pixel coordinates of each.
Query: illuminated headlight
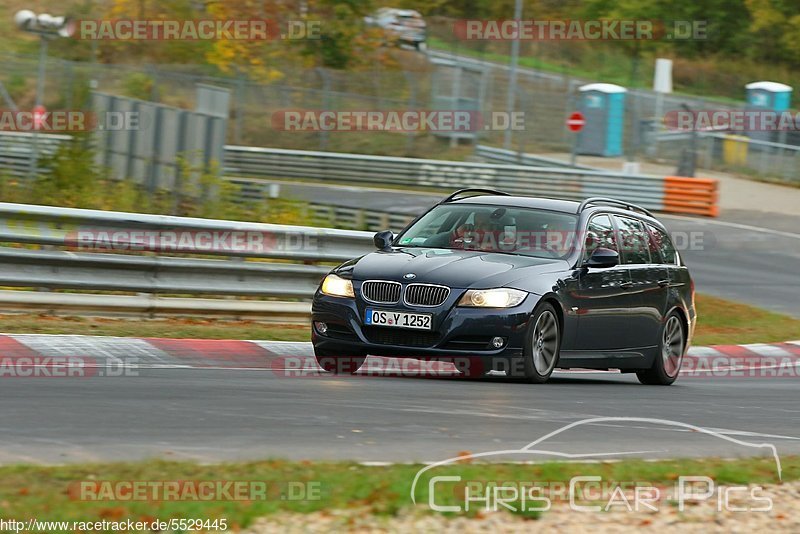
column 492, row 298
column 337, row 287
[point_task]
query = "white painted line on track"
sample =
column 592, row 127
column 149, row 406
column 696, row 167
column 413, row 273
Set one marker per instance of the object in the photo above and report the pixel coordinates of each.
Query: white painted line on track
column 738, row 226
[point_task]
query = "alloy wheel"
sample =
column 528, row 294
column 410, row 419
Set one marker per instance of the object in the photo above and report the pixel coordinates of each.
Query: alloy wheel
column 545, row 342
column 672, row 346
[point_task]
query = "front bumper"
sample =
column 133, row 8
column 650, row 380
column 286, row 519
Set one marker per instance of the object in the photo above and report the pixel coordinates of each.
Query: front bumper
column 456, row 332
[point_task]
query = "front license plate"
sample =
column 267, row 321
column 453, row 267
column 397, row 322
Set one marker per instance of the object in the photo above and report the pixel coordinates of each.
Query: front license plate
column 417, row 321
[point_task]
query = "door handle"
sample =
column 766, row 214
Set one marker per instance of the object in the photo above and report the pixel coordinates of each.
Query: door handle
column 663, row 283
column 626, row 285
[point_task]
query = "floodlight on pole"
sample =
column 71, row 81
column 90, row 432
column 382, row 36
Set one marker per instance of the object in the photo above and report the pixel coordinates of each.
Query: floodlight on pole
column 47, row 27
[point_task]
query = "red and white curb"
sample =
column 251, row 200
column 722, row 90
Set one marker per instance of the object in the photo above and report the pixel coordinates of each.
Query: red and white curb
column 758, row 359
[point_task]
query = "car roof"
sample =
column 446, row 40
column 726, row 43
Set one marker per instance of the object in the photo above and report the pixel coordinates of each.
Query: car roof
column 552, row 204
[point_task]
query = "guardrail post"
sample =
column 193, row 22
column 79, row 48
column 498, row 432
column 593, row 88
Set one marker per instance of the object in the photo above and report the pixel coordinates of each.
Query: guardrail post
column 332, row 216
column 384, row 221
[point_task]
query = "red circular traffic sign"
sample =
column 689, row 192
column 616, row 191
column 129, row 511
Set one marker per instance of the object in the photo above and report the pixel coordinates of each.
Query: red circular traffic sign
column 576, row 121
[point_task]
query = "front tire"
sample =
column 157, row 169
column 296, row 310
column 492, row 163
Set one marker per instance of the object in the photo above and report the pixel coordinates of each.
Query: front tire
column 542, row 344
column 667, row 363
column 337, row 363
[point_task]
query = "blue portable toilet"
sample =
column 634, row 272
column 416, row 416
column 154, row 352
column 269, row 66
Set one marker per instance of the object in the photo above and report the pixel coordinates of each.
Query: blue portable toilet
column 767, row 96
column 603, row 106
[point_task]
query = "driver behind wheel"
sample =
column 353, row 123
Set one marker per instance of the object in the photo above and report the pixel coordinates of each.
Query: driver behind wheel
column 488, row 232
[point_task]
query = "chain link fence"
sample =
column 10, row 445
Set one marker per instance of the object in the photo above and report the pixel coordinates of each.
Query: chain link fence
column 545, row 97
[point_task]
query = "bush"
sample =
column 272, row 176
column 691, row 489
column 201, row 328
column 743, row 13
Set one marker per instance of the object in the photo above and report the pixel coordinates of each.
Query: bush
column 72, row 179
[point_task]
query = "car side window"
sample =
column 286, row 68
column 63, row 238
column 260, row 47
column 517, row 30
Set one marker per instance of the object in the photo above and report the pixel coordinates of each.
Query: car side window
column 633, row 241
column 663, row 243
column 599, row 234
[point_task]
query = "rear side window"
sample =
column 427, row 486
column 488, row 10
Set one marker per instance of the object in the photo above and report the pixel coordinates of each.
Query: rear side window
column 600, row 233
column 663, row 243
column 633, row 241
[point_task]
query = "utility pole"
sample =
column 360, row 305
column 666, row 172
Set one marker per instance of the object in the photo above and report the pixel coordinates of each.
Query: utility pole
column 512, row 76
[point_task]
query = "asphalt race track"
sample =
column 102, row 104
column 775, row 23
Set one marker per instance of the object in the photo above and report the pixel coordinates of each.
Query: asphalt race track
column 225, row 414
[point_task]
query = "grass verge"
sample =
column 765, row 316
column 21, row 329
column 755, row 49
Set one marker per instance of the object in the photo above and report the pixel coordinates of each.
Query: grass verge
column 721, row 322
column 59, row 492
column 724, row 322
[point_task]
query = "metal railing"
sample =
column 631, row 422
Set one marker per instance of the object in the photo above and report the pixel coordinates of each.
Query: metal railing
column 330, row 215
column 339, row 168
column 500, row 155
column 16, row 149
column 168, row 259
column 732, row 152
column 439, row 175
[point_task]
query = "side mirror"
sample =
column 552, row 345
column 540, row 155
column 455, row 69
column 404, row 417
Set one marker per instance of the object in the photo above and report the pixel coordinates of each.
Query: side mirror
column 602, row 258
column 383, row 240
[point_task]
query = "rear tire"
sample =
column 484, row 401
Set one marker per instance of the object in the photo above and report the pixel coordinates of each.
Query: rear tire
column 337, row 363
column 542, row 344
column 671, row 348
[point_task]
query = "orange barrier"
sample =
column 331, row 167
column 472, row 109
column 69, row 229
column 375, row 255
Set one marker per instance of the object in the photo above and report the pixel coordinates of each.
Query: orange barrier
column 695, row 196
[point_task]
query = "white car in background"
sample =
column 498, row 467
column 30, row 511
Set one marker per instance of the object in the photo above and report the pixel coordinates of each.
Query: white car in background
column 405, row 26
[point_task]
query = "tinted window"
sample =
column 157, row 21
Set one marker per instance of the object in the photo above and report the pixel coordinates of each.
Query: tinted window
column 510, row 229
column 663, row 244
column 600, row 233
column 633, row 241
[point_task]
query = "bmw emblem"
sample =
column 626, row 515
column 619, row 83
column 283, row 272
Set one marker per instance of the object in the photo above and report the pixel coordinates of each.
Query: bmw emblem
column 409, row 276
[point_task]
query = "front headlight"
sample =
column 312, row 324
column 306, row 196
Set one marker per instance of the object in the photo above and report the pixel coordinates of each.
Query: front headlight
column 337, row 287
column 492, row 298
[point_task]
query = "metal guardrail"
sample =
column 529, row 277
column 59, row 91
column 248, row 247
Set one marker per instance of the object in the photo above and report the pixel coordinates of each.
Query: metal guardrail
column 332, row 167
column 47, row 225
column 501, row 155
column 329, row 215
column 16, row 149
column 167, row 258
column 339, row 168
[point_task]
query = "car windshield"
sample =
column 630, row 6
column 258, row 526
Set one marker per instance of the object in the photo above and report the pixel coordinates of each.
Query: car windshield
column 505, row 229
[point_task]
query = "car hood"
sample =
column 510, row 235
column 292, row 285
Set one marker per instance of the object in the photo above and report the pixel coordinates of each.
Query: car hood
column 454, row 268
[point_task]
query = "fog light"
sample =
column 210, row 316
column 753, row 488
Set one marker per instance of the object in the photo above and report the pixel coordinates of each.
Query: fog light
column 321, row 327
column 498, row 342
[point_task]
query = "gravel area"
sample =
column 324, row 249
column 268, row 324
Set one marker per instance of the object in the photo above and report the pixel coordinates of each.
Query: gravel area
column 703, row 517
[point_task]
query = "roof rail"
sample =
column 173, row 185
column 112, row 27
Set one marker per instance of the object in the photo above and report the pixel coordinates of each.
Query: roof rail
column 474, row 190
column 614, row 202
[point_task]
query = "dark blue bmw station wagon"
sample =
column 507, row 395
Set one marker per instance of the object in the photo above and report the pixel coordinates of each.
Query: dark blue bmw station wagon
column 515, row 284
